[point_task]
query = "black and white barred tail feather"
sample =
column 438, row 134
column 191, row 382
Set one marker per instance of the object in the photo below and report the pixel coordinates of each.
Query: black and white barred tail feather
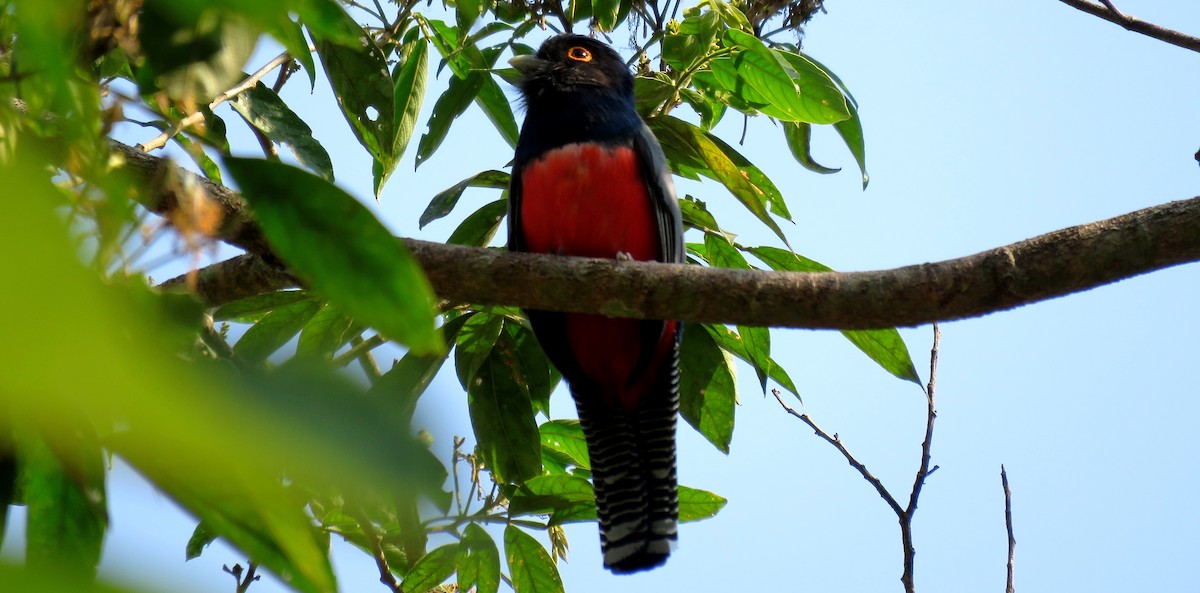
column 633, row 469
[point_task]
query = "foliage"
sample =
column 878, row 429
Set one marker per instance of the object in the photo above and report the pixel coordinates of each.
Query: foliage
column 332, row 451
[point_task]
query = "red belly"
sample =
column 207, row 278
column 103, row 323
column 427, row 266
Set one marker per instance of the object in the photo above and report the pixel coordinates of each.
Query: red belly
column 591, row 201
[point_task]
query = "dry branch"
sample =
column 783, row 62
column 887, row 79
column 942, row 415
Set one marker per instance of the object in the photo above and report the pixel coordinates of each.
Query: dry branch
column 1108, row 12
column 1047, row 266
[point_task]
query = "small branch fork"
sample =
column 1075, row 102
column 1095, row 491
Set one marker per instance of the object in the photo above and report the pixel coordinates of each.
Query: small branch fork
column 1108, row 12
column 903, row 514
column 243, row 583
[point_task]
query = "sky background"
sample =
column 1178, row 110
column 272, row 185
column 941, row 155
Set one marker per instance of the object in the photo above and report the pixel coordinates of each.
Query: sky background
column 985, row 124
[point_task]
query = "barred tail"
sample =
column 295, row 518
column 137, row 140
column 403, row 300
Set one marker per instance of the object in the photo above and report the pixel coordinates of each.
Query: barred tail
column 633, row 466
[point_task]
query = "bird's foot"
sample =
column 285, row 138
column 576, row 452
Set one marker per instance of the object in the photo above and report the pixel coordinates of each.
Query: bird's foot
column 623, row 256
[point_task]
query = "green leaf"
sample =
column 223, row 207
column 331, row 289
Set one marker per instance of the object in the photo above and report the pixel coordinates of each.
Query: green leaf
column 360, row 79
column 539, row 376
column 192, row 51
column 408, row 379
column 432, row 569
column 443, row 203
column 684, row 142
column 327, row 331
column 200, row 539
column 566, row 437
column 531, row 568
column 264, row 110
column 480, row 566
column 474, row 344
column 502, row 417
column 799, row 141
column 373, row 278
column 478, row 228
column 65, row 500
column 732, row 343
column 249, row 309
column 794, row 88
column 274, row 330
column 290, row 34
column 453, row 102
column 697, row 216
column 411, row 77
column 852, row 134
column 605, row 13
column 707, row 387
column 695, row 505
column 884, row 346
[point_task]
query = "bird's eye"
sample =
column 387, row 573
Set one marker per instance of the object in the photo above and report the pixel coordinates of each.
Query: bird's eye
column 579, row 54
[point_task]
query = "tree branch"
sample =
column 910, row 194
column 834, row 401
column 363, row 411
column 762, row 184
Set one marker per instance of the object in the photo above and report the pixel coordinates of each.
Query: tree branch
column 1012, row 542
column 1109, row 13
column 1051, row 265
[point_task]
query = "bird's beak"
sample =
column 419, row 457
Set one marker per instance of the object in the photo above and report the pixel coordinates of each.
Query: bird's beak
column 527, row 64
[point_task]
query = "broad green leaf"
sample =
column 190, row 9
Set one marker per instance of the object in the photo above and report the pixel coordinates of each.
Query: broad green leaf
column 444, row 201
column 696, row 215
column 732, row 343
column 407, row 380
column 605, row 12
column 274, row 330
column 360, row 78
column 530, row 566
column 373, row 278
column 720, row 253
column 65, row 499
column 685, row 142
column 884, row 346
column 327, row 331
column 707, row 387
column 453, row 102
column 478, row 228
column 466, row 13
column 650, row 92
column 696, row 505
column 759, row 180
column 264, row 110
column 481, row 565
column 291, row 35
column 852, row 134
column 502, row 417
column 491, row 98
column 432, row 569
column 799, row 141
column 251, row 308
column 538, row 375
column 474, row 344
column 757, row 341
column 411, row 76
column 566, row 437
column 200, row 539
column 569, row 488
column 192, row 51
column 794, row 89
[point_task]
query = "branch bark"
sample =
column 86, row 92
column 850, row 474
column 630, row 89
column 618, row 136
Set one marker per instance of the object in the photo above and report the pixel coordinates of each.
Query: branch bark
column 1051, row 265
column 1109, row 13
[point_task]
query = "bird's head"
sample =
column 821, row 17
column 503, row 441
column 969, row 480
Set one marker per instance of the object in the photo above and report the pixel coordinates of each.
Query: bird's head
column 572, row 63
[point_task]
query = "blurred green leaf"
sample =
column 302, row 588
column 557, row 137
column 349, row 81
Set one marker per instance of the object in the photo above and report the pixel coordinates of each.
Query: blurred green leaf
column 407, row 380
column 696, row 505
column 475, row 341
column 267, row 112
column 274, row 330
column 65, row 500
column 432, row 569
column 605, row 12
column 373, row 278
column 539, row 376
column 530, row 566
column 799, row 141
column 444, row 201
column 327, row 331
column 566, row 437
column 200, row 539
column 478, row 228
column 502, row 417
column 480, row 566
column 707, row 387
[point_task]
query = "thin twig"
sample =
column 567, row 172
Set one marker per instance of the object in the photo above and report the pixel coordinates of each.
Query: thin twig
column 366, row 360
column 376, row 544
column 1112, row 15
column 923, row 471
column 357, row 348
column 837, row 443
column 1012, row 542
column 195, row 118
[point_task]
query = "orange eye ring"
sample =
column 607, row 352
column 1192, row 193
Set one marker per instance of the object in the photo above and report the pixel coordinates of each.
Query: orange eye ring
column 579, row 54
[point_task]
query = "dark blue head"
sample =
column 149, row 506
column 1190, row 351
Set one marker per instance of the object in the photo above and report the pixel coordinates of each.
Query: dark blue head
column 576, row 89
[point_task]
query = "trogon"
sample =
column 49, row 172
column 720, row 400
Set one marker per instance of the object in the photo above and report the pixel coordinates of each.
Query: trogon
column 589, row 179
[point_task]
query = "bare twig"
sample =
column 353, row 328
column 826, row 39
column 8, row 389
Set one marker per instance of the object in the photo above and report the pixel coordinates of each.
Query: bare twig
column 195, row 118
column 357, row 349
column 1110, row 13
column 1012, row 542
column 923, row 470
column 243, row 583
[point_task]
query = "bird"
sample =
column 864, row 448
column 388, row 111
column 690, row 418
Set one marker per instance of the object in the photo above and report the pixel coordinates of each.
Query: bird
column 590, row 179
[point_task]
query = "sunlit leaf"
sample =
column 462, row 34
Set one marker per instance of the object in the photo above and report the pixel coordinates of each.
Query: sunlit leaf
column 480, row 567
column 566, row 437
column 432, row 569
column 707, row 387
column 696, row 505
column 410, row 78
column 373, row 278
column 267, row 112
column 529, row 564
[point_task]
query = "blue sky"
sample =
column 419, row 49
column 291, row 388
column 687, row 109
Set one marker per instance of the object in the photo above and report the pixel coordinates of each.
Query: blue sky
column 985, row 123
